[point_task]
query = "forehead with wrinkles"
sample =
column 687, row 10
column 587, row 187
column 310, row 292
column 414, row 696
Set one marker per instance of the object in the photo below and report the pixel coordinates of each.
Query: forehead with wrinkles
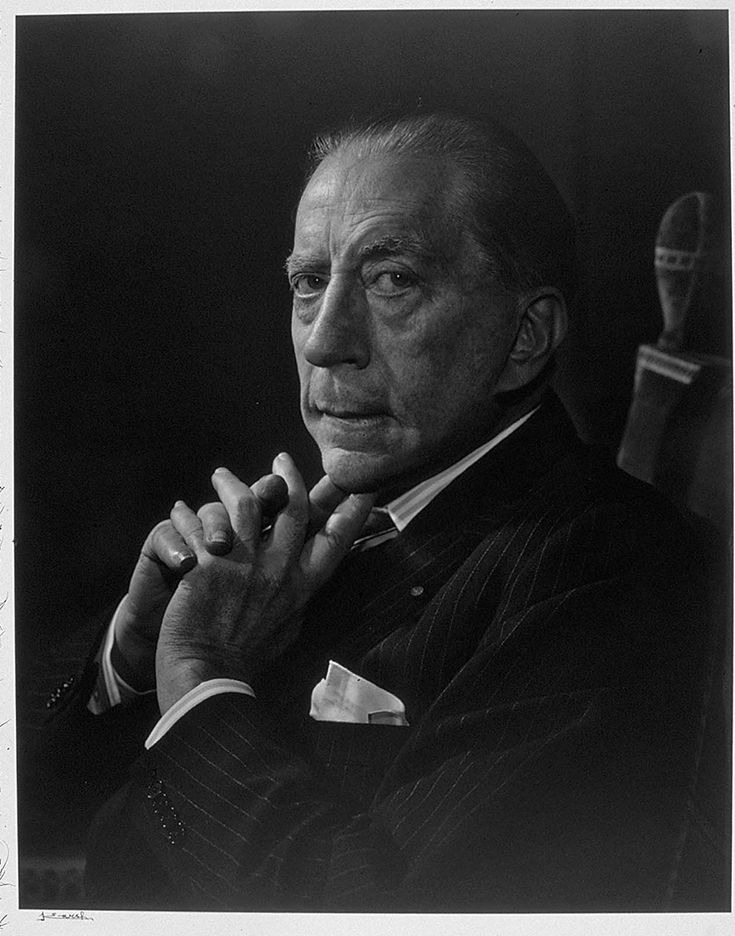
column 409, row 197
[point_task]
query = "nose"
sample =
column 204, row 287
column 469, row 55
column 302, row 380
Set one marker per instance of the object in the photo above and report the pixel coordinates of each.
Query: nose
column 338, row 333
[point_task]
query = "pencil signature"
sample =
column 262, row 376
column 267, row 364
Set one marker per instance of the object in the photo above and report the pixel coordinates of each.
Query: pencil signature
column 72, row 915
column 3, row 920
column 4, row 865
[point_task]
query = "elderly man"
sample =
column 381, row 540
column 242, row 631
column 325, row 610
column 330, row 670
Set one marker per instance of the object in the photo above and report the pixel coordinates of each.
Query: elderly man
column 511, row 718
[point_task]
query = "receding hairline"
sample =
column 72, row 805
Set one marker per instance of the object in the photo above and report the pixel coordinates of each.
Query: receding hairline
column 504, row 199
column 351, row 154
column 466, row 148
column 422, row 240
column 436, row 133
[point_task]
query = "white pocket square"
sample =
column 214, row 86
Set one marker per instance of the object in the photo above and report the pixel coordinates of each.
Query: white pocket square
column 345, row 697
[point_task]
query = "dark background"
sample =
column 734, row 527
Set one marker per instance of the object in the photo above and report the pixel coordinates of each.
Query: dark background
column 159, row 158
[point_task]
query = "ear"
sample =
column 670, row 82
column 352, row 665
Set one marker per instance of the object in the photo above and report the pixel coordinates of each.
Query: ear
column 542, row 327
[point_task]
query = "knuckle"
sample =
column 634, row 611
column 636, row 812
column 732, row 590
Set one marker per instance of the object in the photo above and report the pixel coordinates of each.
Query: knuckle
column 211, row 511
column 158, row 535
column 270, row 581
column 338, row 542
column 243, row 549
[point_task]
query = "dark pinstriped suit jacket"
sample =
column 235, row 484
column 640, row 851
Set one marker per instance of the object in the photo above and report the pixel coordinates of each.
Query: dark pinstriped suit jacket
column 555, row 674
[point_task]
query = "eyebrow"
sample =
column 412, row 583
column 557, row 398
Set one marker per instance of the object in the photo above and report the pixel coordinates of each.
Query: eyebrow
column 390, row 246
column 393, row 245
column 296, row 263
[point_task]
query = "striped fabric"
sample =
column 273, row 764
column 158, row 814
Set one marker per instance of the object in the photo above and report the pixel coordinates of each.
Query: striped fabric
column 531, row 621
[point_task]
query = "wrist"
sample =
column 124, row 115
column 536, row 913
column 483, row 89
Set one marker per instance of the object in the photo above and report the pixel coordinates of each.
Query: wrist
column 176, row 678
column 174, row 681
column 140, row 675
column 132, row 656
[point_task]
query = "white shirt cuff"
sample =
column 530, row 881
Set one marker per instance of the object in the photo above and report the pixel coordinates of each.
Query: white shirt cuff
column 111, row 689
column 193, row 697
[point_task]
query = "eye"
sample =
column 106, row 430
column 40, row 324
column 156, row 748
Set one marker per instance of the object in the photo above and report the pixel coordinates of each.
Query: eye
column 392, row 283
column 306, row 285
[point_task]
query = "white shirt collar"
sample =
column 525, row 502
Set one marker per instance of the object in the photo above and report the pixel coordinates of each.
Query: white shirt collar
column 404, row 508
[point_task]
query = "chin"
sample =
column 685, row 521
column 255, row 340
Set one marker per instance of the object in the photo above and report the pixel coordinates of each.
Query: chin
column 357, row 472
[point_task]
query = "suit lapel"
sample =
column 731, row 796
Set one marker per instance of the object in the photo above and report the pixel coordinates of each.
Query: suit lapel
column 386, row 590
column 390, row 586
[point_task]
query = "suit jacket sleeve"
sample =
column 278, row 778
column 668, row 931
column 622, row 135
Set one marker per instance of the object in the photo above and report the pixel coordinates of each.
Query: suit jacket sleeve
column 552, row 769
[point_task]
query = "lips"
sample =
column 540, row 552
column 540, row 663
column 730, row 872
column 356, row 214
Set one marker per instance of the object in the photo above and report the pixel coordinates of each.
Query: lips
column 339, row 413
column 348, row 409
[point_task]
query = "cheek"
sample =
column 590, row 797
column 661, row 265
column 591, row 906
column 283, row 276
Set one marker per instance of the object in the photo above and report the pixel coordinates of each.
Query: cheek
column 425, row 394
column 297, row 339
column 303, row 368
column 415, row 353
column 449, row 385
column 434, row 358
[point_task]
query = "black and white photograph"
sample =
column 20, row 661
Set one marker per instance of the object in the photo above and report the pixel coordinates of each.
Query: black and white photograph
column 372, row 487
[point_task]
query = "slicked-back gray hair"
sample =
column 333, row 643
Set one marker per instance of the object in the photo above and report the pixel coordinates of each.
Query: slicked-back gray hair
column 504, row 199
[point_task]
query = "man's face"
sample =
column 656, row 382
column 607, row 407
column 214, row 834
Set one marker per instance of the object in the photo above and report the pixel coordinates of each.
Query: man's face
column 399, row 344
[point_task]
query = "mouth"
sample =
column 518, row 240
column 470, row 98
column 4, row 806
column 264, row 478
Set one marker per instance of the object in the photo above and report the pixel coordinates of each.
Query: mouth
column 358, row 416
column 349, row 413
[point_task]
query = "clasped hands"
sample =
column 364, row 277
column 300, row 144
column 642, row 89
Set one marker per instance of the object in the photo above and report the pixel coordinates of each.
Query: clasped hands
column 214, row 595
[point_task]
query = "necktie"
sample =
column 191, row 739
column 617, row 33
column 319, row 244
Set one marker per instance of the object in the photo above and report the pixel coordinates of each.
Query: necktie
column 378, row 529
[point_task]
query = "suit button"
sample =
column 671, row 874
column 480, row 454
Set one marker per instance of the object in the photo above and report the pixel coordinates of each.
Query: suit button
column 60, row 691
column 416, row 591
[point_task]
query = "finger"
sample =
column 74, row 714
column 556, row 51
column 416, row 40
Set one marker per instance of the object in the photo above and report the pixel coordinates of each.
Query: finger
column 243, row 509
column 289, row 527
column 188, row 525
column 324, row 552
column 218, row 533
column 165, row 545
column 323, row 498
column 272, row 493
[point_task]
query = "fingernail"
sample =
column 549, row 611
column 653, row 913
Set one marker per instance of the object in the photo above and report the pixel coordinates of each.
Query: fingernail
column 219, row 536
column 219, row 470
column 185, row 558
